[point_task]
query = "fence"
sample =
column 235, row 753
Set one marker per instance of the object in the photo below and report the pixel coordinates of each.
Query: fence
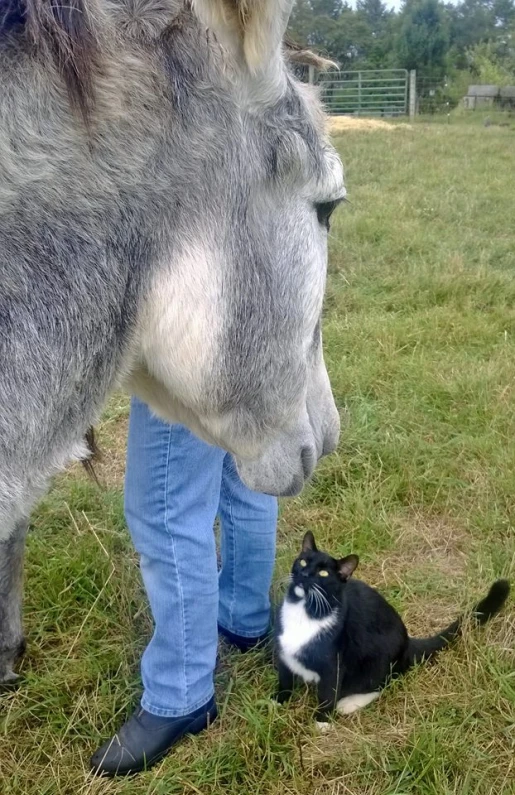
column 436, row 96
column 368, row 92
column 397, row 92
column 433, row 95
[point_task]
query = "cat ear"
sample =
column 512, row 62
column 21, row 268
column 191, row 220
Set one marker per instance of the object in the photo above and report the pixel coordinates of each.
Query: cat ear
column 308, row 543
column 347, row 566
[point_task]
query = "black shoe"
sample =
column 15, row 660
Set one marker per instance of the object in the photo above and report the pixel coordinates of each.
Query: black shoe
column 146, row 738
column 242, row 643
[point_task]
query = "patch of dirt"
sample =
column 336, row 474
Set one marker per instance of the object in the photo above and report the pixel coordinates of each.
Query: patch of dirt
column 429, row 543
column 296, row 521
column 353, row 732
column 340, row 124
column 425, row 548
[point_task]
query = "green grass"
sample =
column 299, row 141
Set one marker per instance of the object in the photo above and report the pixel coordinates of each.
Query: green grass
column 420, row 344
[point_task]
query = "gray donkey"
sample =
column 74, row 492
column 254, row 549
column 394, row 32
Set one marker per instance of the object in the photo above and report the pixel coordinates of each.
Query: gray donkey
column 165, row 193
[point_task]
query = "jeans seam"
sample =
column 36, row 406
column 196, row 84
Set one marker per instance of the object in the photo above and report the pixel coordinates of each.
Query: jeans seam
column 232, row 602
column 179, row 583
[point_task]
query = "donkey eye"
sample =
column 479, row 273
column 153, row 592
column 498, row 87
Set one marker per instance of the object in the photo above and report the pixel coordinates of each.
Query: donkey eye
column 323, row 573
column 324, row 212
column 303, row 563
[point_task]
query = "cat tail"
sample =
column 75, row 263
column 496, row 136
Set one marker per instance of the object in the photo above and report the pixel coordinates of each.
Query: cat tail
column 420, row 649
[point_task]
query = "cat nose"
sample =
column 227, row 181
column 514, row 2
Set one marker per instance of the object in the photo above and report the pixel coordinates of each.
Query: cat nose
column 303, row 574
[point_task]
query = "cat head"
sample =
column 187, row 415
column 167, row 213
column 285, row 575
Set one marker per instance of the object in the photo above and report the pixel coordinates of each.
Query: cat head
column 318, row 578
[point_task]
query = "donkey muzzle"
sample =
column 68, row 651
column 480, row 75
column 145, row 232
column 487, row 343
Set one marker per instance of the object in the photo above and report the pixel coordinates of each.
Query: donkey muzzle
column 283, row 469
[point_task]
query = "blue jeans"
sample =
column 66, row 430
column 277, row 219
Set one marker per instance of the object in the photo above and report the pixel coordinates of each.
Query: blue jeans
column 175, row 486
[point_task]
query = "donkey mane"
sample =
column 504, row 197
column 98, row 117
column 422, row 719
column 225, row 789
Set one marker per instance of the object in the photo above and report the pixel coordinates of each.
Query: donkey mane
column 69, row 34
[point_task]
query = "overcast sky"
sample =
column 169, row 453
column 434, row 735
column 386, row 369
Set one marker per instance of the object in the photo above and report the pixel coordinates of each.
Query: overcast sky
column 395, row 3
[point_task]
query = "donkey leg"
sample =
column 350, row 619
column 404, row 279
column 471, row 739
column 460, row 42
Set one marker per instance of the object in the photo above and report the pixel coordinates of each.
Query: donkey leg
column 12, row 643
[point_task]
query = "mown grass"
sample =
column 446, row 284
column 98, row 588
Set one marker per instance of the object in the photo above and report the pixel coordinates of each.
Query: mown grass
column 420, row 344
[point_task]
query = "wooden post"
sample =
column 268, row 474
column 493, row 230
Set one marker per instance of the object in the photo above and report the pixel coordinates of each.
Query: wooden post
column 359, row 93
column 412, row 93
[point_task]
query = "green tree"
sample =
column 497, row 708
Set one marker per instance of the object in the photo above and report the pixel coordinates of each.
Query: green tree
column 504, row 14
column 424, row 38
column 350, row 40
column 327, row 8
column 302, row 21
column 380, row 24
column 374, row 13
column 436, row 38
column 332, row 27
column 472, row 22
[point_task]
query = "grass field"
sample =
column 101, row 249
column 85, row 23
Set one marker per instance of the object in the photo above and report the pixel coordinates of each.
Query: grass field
column 420, row 345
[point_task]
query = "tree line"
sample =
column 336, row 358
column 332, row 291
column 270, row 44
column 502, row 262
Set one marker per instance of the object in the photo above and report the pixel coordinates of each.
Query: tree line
column 449, row 45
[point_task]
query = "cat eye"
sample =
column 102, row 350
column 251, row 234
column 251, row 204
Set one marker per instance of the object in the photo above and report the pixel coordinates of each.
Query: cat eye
column 323, row 573
column 303, row 563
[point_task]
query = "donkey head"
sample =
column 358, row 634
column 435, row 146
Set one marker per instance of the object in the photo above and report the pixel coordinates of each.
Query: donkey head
column 199, row 169
column 232, row 335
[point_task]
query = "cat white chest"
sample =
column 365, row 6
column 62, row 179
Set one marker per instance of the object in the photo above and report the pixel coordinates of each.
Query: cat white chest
column 298, row 630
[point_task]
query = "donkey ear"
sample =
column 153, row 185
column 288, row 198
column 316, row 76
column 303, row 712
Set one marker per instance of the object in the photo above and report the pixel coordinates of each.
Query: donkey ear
column 296, row 54
column 347, row 566
column 254, row 28
column 308, row 543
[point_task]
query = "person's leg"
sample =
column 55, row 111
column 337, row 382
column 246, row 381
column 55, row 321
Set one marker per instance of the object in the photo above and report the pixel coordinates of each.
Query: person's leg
column 248, row 525
column 172, row 490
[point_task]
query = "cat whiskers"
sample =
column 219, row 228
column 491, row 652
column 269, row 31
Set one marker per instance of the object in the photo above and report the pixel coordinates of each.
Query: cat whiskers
column 324, row 601
column 315, row 595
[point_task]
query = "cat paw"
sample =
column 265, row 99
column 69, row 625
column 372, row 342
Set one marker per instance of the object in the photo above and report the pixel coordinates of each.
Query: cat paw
column 323, row 726
column 350, row 704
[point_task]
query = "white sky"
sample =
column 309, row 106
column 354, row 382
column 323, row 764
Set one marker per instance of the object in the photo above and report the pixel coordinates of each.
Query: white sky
column 395, row 3
column 389, row 3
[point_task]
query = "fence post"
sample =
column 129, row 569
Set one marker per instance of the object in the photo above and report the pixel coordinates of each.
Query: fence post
column 412, row 93
column 311, row 75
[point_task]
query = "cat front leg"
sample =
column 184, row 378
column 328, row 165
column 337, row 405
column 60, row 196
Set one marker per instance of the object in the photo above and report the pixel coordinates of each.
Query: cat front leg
column 328, row 691
column 285, row 682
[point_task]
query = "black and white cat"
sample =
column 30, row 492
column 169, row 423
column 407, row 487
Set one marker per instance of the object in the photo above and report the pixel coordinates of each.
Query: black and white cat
column 344, row 636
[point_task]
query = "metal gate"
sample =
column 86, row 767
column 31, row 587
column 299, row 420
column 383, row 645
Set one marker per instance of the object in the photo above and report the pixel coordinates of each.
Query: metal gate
column 370, row 92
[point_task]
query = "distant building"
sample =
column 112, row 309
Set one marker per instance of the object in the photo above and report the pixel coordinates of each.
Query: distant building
column 487, row 96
